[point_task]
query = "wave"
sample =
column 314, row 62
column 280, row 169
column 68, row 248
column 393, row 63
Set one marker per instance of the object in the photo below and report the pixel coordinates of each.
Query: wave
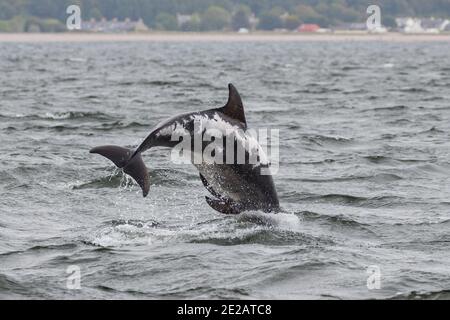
column 157, row 83
column 332, row 219
column 350, row 68
column 318, row 90
column 134, row 222
column 432, row 130
column 424, row 295
column 259, row 235
column 65, row 115
column 355, row 91
column 312, row 162
column 66, row 79
column 75, row 115
column 343, row 199
column 63, row 246
column 112, row 181
column 434, row 98
column 118, row 179
column 381, row 177
column 411, row 90
column 120, row 125
column 133, row 232
column 391, row 108
column 322, row 139
column 400, row 122
column 109, row 126
column 249, row 227
column 10, row 285
column 378, row 159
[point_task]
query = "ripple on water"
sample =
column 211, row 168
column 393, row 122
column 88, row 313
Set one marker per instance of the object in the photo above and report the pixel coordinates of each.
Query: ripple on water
column 252, row 227
column 364, row 171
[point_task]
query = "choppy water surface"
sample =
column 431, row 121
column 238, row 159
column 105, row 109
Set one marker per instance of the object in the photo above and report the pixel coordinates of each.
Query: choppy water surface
column 364, row 171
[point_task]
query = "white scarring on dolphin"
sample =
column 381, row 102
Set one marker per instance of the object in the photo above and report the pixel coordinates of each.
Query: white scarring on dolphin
column 235, row 187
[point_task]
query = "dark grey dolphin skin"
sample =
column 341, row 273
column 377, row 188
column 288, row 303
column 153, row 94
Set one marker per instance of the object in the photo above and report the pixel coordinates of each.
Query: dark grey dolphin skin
column 234, row 187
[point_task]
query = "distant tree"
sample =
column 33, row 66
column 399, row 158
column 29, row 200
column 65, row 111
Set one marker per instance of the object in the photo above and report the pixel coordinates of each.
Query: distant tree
column 240, row 18
column 245, row 8
column 193, row 24
column 215, row 18
column 166, row 21
column 4, row 26
column 47, row 8
column 269, row 21
column 307, row 14
column 51, row 25
column 258, row 6
column 292, row 22
column 7, row 11
column 146, row 9
column 388, row 21
column 277, row 10
column 95, row 13
column 338, row 12
column 404, row 7
column 16, row 24
column 322, row 12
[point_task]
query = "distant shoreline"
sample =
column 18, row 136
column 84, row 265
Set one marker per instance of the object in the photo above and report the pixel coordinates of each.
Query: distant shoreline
column 218, row 37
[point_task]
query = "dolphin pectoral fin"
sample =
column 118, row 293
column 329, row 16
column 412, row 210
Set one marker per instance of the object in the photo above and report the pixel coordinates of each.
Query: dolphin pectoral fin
column 222, row 205
column 209, row 187
column 134, row 167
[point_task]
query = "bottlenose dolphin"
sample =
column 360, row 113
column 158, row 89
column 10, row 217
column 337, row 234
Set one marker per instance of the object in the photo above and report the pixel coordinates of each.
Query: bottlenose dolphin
column 235, row 183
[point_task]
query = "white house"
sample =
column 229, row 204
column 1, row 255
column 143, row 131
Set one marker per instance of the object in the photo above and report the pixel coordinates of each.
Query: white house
column 425, row 25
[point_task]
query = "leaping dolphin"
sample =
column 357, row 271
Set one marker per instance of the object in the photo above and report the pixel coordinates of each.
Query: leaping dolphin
column 235, row 186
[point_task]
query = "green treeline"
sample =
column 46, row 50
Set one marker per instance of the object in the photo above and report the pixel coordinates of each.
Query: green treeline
column 204, row 15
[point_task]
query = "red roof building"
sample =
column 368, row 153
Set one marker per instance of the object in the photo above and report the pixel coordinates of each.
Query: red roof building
column 308, row 28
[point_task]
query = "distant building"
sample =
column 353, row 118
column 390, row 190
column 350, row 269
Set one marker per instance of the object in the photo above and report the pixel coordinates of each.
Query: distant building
column 253, row 21
column 324, row 30
column 356, row 28
column 379, row 29
column 243, row 30
column 409, row 25
column 433, row 25
column 284, row 16
column 425, row 25
column 113, row 26
column 183, row 18
column 308, row 28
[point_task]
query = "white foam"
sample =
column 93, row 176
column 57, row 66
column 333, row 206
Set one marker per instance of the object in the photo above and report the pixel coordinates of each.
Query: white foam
column 127, row 234
column 283, row 221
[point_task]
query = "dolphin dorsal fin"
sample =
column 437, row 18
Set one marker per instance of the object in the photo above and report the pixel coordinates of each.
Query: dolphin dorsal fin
column 234, row 107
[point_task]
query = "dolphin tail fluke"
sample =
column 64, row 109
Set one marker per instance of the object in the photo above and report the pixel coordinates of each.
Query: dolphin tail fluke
column 121, row 158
